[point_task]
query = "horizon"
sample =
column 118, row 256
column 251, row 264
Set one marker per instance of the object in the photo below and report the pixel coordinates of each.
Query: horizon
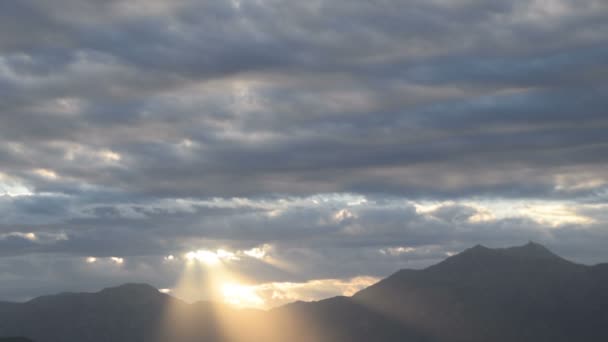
column 246, row 306
column 260, row 152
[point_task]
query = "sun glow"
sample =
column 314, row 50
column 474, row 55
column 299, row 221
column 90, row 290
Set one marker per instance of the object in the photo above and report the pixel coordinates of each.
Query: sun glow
column 210, row 258
column 206, row 257
column 260, row 252
column 241, row 295
column 210, row 280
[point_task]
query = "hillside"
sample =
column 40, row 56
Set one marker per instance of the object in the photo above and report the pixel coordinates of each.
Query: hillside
column 523, row 293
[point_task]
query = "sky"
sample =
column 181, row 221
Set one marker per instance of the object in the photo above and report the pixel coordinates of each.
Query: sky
column 308, row 148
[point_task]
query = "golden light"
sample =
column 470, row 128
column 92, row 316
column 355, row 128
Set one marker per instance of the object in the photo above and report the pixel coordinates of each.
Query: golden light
column 259, row 252
column 210, row 258
column 241, row 296
column 30, row 236
column 206, row 257
column 46, row 173
column 554, row 214
column 27, row 236
column 209, row 279
column 204, row 275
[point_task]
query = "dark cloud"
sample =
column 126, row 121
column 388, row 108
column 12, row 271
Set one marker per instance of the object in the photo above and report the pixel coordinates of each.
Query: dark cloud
column 374, row 135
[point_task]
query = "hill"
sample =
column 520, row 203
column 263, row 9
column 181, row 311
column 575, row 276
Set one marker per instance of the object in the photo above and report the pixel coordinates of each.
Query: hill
column 524, row 293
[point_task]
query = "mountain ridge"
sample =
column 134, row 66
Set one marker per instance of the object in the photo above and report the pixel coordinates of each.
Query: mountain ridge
column 523, row 293
column 514, row 251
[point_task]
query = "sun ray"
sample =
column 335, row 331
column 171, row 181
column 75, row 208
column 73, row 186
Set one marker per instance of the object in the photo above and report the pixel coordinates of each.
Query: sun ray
column 225, row 305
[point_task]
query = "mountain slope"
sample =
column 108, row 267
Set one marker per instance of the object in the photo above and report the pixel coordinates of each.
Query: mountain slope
column 120, row 313
column 523, row 293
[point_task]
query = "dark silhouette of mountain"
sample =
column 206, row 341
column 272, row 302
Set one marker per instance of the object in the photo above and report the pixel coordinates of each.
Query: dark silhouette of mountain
column 523, row 293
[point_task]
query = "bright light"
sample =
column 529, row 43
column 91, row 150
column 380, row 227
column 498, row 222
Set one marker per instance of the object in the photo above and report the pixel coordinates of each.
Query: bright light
column 27, row 236
column 241, row 295
column 12, row 187
column 258, row 252
column 554, row 214
column 46, row 173
column 109, row 156
column 206, row 257
column 226, row 255
column 343, row 215
column 31, row 236
column 210, row 258
column 118, row 260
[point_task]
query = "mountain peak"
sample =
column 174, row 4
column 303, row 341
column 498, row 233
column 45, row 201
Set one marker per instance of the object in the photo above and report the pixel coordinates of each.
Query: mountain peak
column 131, row 288
column 478, row 249
column 479, row 255
column 129, row 291
column 474, row 252
column 531, row 250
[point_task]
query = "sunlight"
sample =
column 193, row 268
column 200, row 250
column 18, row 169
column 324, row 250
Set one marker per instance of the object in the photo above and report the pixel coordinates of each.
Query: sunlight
column 259, row 252
column 109, row 156
column 210, row 258
column 554, row 214
column 210, row 282
column 117, row 260
column 11, row 187
column 27, row 236
column 241, row 296
column 46, row 173
column 206, row 257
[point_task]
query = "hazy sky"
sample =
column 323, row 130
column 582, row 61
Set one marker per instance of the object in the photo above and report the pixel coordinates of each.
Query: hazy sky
column 317, row 144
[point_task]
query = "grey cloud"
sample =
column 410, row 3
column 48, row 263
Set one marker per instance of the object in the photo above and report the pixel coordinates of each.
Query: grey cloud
column 121, row 122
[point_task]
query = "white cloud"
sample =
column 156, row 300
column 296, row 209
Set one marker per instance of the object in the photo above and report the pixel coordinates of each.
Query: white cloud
column 28, row 236
column 117, row 260
column 396, row 251
column 46, row 173
column 259, row 252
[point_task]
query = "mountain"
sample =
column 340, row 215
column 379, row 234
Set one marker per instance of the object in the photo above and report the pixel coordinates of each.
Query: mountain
column 524, row 293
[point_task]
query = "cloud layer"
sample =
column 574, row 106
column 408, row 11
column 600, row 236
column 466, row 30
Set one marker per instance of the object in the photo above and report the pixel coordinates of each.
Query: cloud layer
column 352, row 138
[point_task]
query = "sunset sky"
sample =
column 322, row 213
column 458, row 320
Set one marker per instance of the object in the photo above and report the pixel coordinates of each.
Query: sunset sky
column 302, row 149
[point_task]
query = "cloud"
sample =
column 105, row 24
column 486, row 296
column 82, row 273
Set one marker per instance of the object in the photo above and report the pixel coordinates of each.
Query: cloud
column 338, row 139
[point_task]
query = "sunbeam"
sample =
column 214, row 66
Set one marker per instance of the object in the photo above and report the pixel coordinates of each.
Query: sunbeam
column 224, row 304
